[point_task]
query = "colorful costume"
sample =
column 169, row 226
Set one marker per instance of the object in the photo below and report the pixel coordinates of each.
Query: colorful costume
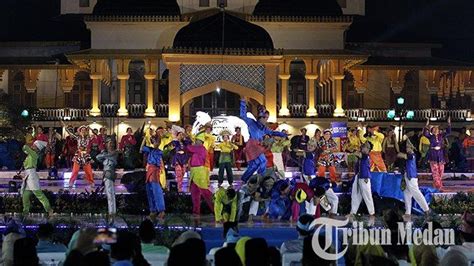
column 199, row 176
column 280, row 204
column 51, row 151
column 225, row 209
column 424, row 149
column 436, row 155
column 412, row 190
column 95, row 145
column 109, row 161
column 278, row 147
column 127, row 145
column 225, row 161
column 352, row 146
column 390, row 150
column 361, row 187
column 238, row 140
column 82, row 159
column 209, row 144
column 321, row 186
column 70, row 149
column 154, row 183
column 326, row 158
column 300, row 193
column 254, row 151
column 180, row 161
column 30, row 182
column 376, row 160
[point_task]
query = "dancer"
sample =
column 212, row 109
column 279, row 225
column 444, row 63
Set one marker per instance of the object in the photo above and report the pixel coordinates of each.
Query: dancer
column 50, row 157
column 361, row 188
column 436, row 154
column 254, row 151
column 199, row 176
column 70, row 147
column 30, row 184
column 96, row 143
column 209, row 144
column 280, row 203
column 82, row 156
column 225, row 205
column 299, row 195
column 279, row 145
column 326, row 159
column 324, row 195
column 309, row 163
column 127, row 146
column 154, row 182
column 468, row 145
column 225, row 158
column 39, row 135
column 238, row 140
column 180, row 158
column 390, row 149
column 375, row 138
column 411, row 179
column 108, row 158
column 352, row 147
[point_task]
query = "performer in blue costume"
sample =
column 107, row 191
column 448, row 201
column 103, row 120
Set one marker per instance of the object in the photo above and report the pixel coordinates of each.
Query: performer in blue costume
column 254, row 151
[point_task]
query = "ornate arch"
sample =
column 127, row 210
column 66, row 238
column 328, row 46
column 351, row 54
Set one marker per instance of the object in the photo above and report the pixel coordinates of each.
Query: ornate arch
column 229, row 86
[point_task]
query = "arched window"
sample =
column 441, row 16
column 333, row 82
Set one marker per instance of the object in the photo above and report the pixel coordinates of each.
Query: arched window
column 81, row 94
column 136, row 83
column 17, row 90
column 297, row 83
column 351, row 99
column 216, row 103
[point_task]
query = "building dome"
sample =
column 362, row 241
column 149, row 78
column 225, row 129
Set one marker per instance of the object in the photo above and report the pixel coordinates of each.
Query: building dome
column 305, row 8
column 238, row 33
column 137, row 7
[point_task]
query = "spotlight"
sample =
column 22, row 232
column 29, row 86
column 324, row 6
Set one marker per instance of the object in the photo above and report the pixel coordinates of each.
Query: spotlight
column 410, row 114
column 218, row 90
column 391, row 114
column 400, row 100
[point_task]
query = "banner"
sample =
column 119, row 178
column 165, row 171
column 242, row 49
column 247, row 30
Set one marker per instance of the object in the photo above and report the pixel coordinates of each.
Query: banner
column 339, row 129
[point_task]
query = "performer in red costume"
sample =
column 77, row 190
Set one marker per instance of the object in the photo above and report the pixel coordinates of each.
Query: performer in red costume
column 70, row 147
column 82, row 156
column 238, row 140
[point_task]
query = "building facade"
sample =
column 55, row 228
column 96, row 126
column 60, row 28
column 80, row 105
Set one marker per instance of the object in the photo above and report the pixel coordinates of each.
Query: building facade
column 165, row 60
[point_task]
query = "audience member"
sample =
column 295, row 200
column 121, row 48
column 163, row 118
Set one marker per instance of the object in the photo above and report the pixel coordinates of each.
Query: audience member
column 467, row 238
column 147, row 235
column 227, row 256
column 194, row 251
column 190, row 234
column 309, row 257
column 13, row 232
column 45, row 240
column 122, row 252
column 303, row 227
column 256, row 252
column 24, row 252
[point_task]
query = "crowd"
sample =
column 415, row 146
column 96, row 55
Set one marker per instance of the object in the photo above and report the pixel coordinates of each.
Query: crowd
column 88, row 246
column 267, row 152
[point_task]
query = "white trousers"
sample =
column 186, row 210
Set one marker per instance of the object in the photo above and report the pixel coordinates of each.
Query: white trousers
column 278, row 161
column 413, row 191
column 32, row 180
column 333, row 200
column 362, row 190
column 110, row 192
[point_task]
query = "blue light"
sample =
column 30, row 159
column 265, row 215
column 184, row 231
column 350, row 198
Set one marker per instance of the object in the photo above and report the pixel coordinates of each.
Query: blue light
column 410, row 114
column 25, row 113
column 391, row 114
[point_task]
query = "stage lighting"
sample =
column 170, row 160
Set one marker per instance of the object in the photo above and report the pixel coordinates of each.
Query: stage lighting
column 410, row 114
column 400, row 100
column 391, row 114
column 25, row 113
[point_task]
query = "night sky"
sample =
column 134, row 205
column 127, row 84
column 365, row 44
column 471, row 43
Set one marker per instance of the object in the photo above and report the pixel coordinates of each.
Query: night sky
column 449, row 22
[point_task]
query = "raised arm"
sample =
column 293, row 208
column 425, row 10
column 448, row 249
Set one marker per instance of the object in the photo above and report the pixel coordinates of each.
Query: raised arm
column 361, row 137
column 243, row 111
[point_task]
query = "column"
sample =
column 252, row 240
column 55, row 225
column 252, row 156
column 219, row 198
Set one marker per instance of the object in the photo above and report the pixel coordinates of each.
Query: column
column 338, row 112
column 96, row 78
column 270, row 91
column 284, row 95
column 311, row 78
column 150, row 108
column 123, row 77
column 174, row 93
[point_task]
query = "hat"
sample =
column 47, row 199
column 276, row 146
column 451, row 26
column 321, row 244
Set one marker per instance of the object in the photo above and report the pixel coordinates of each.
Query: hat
column 225, row 132
column 327, row 130
column 40, row 144
column 467, row 225
column 81, row 127
column 300, row 195
column 200, row 136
